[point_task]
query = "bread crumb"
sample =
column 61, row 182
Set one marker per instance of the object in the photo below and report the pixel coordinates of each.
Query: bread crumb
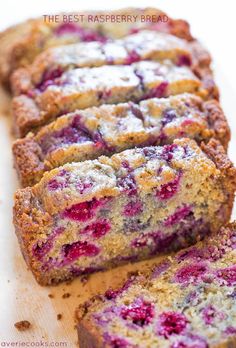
column 59, row 316
column 66, row 295
column 69, row 282
column 84, row 279
column 133, row 274
column 22, row 325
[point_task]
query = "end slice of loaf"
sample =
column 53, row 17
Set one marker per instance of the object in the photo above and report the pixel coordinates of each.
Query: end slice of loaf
column 188, row 300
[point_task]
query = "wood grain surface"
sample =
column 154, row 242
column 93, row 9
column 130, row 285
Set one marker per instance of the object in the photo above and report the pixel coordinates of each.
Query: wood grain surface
column 21, row 298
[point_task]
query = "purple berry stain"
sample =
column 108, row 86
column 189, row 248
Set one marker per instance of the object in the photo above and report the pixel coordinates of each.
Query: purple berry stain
column 54, row 185
column 82, row 211
column 128, row 185
column 191, row 273
column 230, row 330
column 97, row 229
column 111, row 294
column 81, row 248
column 132, row 208
column 116, row 342
column 179, row 215
column 168, row 190
column 190, row 253
column 168, row 152
column 227, row 275
column 83, row 186
column 132, row 57
column 41, row 250
column 171, row 323
column 209, row 314
column 146, row 239
column 168, row 116
column 184, row 60
column 140, row 313
column 85, row 34
column 191, row 341
column 49, row 78
column 160, row 269
column 160, row 91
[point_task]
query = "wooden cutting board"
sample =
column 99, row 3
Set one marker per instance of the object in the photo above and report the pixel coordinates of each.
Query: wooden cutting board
column 21, row 298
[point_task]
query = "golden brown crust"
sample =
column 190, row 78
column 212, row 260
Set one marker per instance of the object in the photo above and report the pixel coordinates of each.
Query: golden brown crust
column 25, row 225
column 216, row 153
column 28, row 160
column 21, row 43
column 201, row 67
column 26, row 115
column 206, row 77
column 217, row 121
column 181, row 28
column 28, row 221
column 20, row 81
column 201, row 57
column 87, row 336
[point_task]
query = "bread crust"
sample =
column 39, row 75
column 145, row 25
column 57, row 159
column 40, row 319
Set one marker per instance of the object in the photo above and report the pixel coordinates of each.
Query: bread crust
column 88, row 337
column 26, row 115
column 216, row 153
column 217, row 122
column 28, row 160
column 202, row 68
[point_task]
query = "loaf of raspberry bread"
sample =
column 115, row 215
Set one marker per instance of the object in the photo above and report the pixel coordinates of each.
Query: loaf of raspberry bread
column 187, row 301
column 90, row 216
column 144, row 45
column 87, row 134
column 22, row 43
column 85, row 87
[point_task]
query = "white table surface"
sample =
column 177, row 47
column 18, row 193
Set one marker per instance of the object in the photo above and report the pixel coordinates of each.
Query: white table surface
column 21, row 298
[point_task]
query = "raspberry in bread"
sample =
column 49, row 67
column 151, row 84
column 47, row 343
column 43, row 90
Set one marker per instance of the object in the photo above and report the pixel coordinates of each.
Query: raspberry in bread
column 86, row 87
column 144, row 45
column 187, row 301
column 87, row 134
column 22, row 43
column 94, row 215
